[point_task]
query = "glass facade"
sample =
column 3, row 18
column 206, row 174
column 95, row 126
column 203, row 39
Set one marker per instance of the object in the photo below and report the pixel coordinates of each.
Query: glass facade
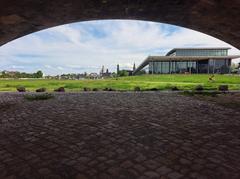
column 168, row 67
column 219, row 66
column 199, row 52
column 202, row 66
column 192, row 66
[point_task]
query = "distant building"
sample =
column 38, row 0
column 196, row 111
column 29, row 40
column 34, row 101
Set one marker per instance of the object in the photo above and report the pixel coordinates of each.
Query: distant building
column 129, row 72
column 102, row 70
column 106, row 74
column 189, row 60
column 93, row 75
column 118, row 69
column 10, row 73
column 134, row 67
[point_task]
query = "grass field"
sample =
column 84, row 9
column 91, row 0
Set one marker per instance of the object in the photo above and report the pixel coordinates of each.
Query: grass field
column 145, row 82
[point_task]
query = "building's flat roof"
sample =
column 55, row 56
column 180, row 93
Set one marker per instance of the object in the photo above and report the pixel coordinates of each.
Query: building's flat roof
column 185, row 58
column 182, row 58
column 202, row 48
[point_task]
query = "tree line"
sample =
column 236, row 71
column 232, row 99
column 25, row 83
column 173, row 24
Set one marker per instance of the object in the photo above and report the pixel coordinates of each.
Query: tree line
column 6, row 74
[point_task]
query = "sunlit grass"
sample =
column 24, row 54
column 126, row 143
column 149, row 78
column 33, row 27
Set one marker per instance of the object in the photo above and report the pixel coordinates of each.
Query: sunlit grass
column 145, row 82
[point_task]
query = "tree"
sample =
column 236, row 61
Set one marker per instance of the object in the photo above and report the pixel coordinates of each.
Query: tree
column 123, row 73
column 39, row 74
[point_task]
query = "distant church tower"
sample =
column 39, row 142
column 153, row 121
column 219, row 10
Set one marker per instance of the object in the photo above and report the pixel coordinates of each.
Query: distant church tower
column 102, row 71
column 117, row 69
column 134, row 67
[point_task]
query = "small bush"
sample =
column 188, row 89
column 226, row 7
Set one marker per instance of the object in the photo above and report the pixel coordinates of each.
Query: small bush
column 61, row 89
column 174, row 88
column 105, row 89
column 137, row 88
column 41, row 90
column 95, row 89
column 86, row 89
column 33, row 97
column 108, row 89
column 21, row 89
column 199, row 88
column 223, row 88
column 153, row 89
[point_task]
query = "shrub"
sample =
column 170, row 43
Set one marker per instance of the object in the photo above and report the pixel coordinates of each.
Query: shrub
column 153, row 89
column 174, row 88
column 105, row 89
column 41, row 90
column 223, row 88
column 86, row 89
column 60, row 89
column 137, row 88
column 33, row 97
column 108, row 89
column 95, row 89
column 199, row 88
column 21, row 89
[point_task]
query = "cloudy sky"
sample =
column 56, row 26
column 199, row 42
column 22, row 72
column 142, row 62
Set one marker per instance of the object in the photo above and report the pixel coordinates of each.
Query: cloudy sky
column 86, row 46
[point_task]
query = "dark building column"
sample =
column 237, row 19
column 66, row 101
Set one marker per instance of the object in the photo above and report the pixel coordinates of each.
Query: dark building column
column 208, row 66
column 197, row 66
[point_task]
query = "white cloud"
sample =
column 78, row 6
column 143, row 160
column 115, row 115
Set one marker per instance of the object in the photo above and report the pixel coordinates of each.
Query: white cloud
column 17, row 67
column 89, row 45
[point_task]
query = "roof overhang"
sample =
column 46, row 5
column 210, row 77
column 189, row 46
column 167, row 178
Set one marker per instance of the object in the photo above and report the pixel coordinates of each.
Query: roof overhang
column 189, row 58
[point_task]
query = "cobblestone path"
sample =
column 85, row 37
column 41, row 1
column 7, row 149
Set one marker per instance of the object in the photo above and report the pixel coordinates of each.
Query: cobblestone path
column 117, row 135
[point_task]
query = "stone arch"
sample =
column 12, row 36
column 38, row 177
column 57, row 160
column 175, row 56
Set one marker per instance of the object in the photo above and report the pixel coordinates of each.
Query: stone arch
column 213, row 17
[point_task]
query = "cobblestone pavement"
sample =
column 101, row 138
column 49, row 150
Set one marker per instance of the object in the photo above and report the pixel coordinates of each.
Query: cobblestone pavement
column 118, row 135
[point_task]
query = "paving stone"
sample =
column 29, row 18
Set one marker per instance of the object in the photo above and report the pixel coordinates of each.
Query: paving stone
column 185, row 161
column 175, row 175
column 126, row 164
column 151, row 174
column 163, row 170
column 151, row 164
column 139, row 168
column 44, row 171
column 81, row 176
column 197, row 167
column 11, row 177
column 118, row 135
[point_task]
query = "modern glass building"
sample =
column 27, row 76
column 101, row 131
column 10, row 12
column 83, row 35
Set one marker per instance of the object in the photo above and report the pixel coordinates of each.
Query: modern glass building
column 189, row 60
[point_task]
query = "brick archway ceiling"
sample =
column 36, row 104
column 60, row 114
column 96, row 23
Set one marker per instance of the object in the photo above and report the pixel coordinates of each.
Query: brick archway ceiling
column 218, row 18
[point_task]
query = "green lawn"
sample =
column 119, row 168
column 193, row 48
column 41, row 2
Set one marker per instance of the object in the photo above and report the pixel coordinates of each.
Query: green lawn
column 145, row 82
